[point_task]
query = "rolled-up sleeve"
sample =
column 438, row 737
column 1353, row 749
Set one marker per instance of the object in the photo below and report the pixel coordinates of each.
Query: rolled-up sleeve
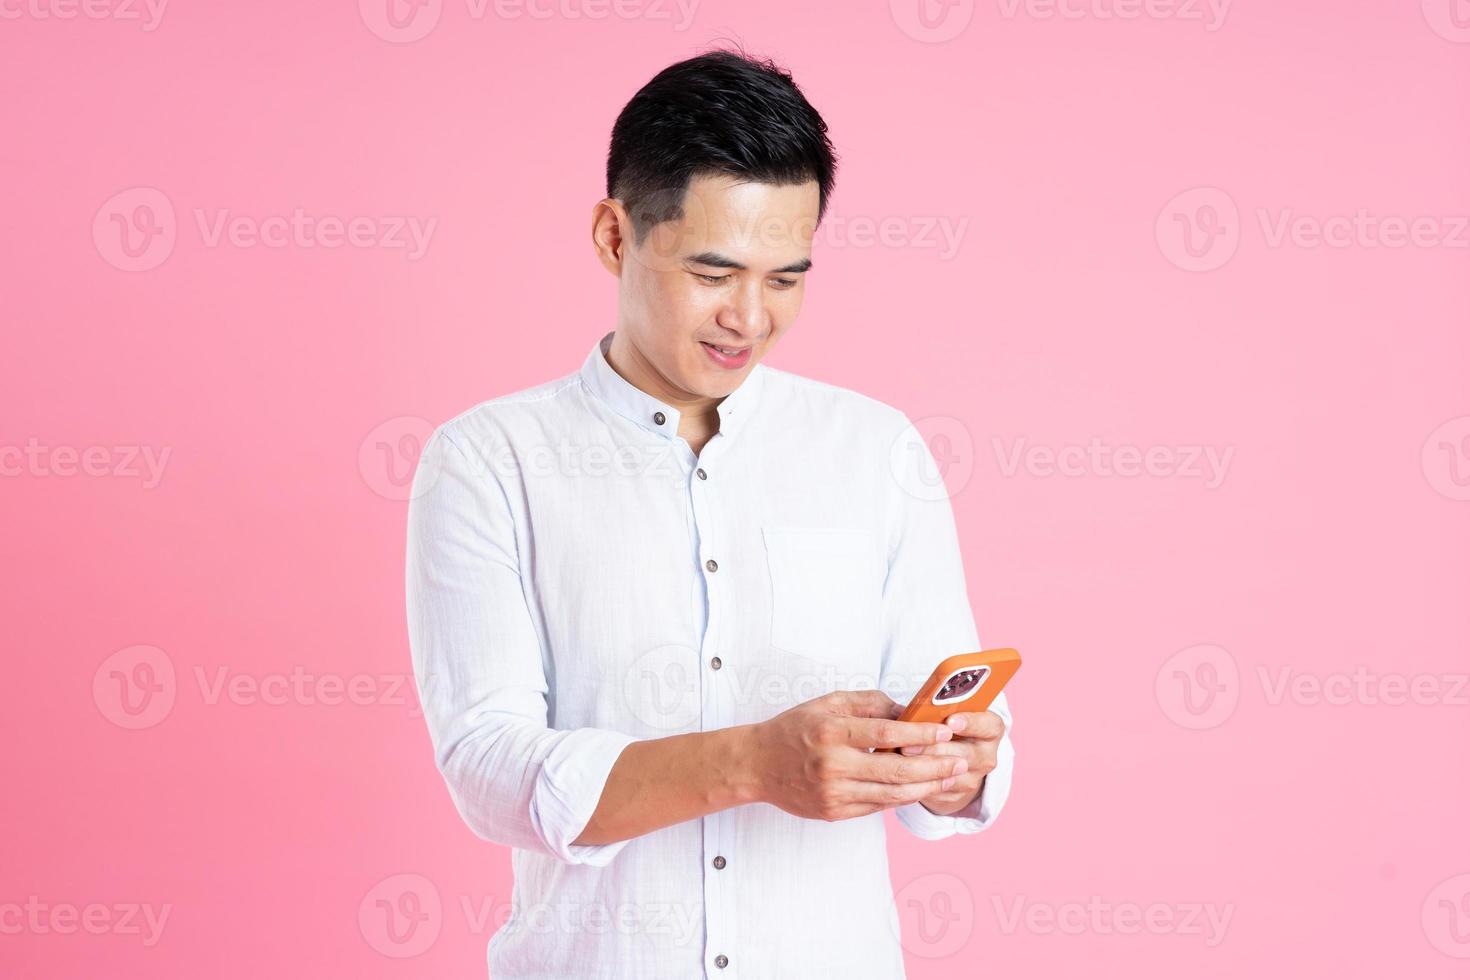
column 926, row 616
column 478, row 665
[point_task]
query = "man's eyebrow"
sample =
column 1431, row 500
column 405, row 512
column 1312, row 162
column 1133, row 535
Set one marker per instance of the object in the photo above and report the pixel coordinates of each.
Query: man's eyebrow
column 725, row 262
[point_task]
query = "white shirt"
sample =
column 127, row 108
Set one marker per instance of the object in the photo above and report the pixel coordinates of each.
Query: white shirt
column 578, row 579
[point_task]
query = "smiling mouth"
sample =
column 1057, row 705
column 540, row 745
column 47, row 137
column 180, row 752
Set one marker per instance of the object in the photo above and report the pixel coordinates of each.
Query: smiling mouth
column 728, row 358
column 727, row 351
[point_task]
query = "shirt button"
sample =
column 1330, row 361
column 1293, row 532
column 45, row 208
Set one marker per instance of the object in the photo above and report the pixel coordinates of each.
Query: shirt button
column 719, row 862
column 722, row 961
column 701, row 474
column 712, row 565
column 714, row 663
column 658, row 417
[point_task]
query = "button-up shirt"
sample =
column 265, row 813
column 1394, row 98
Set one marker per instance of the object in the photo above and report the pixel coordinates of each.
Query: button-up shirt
column 578, row 579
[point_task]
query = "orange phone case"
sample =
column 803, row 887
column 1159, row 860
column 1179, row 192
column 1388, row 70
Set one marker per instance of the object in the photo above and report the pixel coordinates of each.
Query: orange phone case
column 1000, row 665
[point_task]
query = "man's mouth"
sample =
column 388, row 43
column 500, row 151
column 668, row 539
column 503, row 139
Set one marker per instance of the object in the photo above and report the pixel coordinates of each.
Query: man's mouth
column 727, row 357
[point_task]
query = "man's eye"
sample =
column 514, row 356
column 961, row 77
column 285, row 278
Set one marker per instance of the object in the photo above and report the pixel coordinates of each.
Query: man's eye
column 716, row 280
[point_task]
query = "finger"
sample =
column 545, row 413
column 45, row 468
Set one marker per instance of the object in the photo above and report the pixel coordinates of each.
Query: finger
column 953, row 747
column 977, row 724
column 885, row 733
column 865, row 704
column 898, row 794
column 859, row 810
column 882, row 767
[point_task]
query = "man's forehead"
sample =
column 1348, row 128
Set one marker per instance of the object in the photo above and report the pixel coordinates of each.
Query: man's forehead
column 724, row 195
column 753, row 224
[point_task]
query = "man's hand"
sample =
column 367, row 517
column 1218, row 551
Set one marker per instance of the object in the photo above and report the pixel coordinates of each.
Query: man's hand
column 813, row 760
column 977, row 736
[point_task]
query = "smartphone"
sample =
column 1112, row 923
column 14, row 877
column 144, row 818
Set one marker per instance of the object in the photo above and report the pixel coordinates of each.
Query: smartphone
column 964, row 682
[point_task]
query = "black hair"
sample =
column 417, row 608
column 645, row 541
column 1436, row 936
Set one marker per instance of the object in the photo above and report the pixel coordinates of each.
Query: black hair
column 722, row 112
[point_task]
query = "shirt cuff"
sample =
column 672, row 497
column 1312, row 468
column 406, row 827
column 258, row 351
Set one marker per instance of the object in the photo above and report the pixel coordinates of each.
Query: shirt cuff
column 977, row 816
column 568, row 789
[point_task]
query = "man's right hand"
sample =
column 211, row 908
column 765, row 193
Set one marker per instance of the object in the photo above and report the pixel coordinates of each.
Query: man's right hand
column 813, row 760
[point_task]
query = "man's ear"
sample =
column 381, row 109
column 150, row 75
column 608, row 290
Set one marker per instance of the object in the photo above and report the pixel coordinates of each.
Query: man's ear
column 611, row 227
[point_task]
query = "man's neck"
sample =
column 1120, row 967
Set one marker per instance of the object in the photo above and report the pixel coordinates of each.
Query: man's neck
column 699, row 417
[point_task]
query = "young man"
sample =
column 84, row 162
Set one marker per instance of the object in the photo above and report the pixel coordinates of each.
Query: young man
column 655, row 604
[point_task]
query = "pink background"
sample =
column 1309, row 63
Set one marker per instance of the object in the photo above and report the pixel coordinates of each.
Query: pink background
column 1160, row 763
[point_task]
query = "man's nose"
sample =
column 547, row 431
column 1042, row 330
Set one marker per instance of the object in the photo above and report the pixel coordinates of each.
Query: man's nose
column 746, row 313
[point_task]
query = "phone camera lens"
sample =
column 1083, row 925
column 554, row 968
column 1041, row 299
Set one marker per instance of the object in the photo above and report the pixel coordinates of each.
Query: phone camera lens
column 960, row 684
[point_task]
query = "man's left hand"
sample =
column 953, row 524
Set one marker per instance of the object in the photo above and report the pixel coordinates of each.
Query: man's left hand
column 977, row 736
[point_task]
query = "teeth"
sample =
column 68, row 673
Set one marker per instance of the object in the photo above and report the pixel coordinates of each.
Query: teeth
column 727, row 353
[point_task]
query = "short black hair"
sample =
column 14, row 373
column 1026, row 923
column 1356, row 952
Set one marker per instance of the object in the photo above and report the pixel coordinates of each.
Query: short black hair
column 722, row 112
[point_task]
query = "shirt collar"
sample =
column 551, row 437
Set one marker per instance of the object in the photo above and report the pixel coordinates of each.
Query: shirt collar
column 645, row 410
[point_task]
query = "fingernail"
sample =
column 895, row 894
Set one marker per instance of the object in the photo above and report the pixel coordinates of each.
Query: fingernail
column 957, row 722
column 947, row 783
column 943, row 735
column 961, row 766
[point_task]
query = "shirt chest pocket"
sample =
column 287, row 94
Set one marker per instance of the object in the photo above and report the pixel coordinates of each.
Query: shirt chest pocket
column 826, row 591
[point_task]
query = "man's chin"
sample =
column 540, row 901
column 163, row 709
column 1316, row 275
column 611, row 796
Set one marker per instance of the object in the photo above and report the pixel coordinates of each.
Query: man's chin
column 722, row 386
column 714, row 383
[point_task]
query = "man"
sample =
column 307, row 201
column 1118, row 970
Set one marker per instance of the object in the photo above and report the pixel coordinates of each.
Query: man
column 657, row 606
